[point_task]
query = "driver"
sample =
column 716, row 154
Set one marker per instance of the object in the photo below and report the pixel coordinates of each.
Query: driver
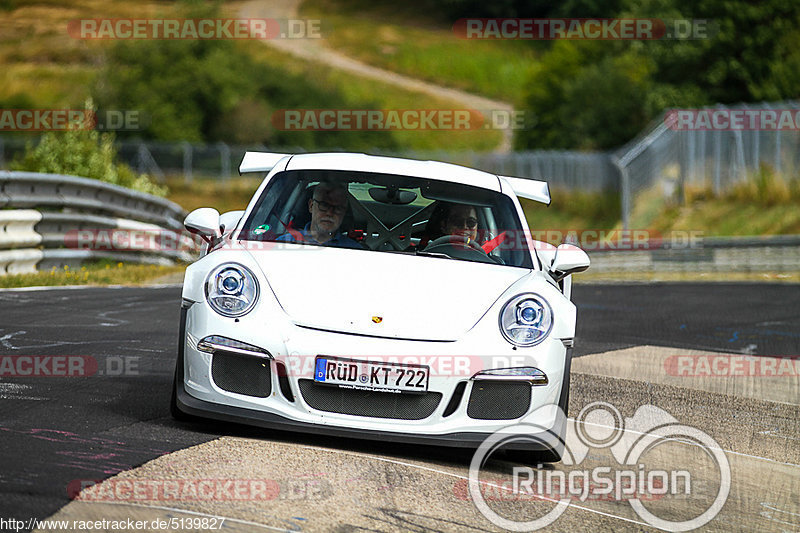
column 327, row 206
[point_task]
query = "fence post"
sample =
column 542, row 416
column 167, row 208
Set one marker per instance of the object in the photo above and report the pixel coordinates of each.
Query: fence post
column 625, row 186
column 717, row 161
column 691, row 161
column 756, row 149
column 225, row 160
column 187, row 162
column 140, row 159
column 682, row 168
column 741, row 164
column 700, row 157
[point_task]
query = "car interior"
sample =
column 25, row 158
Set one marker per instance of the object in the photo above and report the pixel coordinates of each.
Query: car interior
column 385, row 213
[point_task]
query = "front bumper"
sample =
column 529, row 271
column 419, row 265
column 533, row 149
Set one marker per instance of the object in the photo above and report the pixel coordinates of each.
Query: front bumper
column 199, row 395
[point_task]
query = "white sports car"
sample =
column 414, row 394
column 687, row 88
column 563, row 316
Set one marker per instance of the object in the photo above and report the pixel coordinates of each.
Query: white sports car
column 377, row 297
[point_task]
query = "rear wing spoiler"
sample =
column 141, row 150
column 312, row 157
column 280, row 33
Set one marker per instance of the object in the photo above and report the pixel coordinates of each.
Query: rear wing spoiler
column 530, row 189
column 260, row 161
column 526, row 188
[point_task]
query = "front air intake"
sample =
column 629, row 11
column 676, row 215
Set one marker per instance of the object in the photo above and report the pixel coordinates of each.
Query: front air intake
column 242, row 374
column 499, row 400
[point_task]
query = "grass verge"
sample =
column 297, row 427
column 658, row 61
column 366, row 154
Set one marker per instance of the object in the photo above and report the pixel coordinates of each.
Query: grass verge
column 766, row 203
column 573, row 210
column 222, row 195
column 37, row 52
column 361, row 93
column 428, row 50
column 99, row 273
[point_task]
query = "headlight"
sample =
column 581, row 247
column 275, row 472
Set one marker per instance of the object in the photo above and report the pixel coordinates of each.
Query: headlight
column 526, row 320
column 231, row 290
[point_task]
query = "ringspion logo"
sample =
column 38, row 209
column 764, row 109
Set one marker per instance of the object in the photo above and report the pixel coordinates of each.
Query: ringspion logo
column 607, row 457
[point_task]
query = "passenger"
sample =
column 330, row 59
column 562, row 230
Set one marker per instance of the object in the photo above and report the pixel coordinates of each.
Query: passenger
column 451, row 219
column 327, row 206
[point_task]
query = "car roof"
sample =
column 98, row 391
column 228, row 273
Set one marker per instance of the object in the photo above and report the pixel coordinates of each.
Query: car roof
column 269, row 161
column 395, row 165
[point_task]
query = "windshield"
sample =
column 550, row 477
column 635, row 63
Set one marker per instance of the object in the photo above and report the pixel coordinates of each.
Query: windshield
column 390, row 214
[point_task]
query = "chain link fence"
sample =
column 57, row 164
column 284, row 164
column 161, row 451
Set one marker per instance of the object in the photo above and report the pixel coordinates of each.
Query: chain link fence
column 570, row 170
column 713, row 148
column 658, row 165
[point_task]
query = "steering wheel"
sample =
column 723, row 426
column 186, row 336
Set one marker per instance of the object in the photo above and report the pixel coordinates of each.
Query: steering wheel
column 459, row 247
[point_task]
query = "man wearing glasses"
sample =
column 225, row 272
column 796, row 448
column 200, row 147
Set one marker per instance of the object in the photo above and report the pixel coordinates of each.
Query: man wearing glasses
column 327, row 206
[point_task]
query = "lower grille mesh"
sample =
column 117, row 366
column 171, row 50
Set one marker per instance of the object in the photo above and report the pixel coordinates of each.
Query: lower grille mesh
column 499, row 400
column 368, row 403
column 242, row 374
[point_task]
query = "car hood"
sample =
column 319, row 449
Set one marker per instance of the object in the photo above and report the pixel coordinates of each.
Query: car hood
column 383, row 294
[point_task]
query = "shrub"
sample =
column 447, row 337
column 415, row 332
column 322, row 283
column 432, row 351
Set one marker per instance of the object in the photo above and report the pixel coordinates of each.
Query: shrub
column 84, row 153
column 765, row 188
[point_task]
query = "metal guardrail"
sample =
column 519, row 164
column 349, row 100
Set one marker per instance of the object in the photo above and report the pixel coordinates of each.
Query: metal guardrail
column 53, row 220
column 49, row 220
column 31, row 189
column 773, row 254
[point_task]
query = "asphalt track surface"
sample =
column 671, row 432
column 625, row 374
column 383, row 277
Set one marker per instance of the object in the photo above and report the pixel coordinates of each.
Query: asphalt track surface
column 55, row 432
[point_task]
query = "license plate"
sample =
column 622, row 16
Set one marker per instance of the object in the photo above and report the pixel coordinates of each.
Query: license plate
column 371, row 375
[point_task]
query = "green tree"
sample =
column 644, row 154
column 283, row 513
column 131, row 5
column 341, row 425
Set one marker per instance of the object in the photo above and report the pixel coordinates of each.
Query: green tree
column 600, row 94
column 216, row 90
column 585, row 104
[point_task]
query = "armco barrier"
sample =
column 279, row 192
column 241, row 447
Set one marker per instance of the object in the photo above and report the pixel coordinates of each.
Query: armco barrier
column 42, row 215
column 29, row 189
column 772, row 254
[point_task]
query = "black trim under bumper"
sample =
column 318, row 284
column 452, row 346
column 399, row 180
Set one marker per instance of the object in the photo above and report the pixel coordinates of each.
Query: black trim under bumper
column 193, row 406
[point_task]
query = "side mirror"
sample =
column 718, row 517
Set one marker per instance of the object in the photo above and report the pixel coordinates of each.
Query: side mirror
column 569, row 259
column 229, row 220
column 203, row 222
